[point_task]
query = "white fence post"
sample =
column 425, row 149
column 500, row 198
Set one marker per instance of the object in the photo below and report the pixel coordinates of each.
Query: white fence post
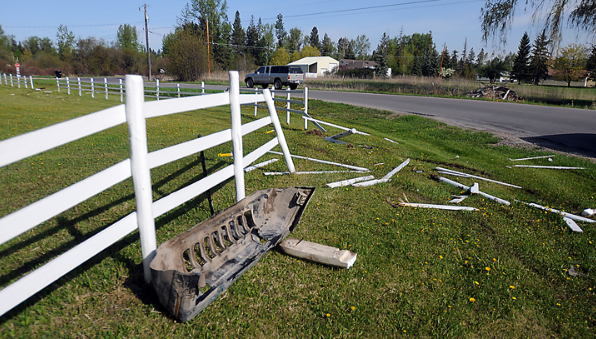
column 80, row 91
column 92, row 88
column 67, row 85
column 202, row 87
column 306, row 107
column 157, row 87
column 19, row 81
column 25, row 81
column 31, row 78
column 120, row 80
column 237, row 134
column 105, row 81
column 288, row 107
column 256, row 93
column 141, row 175
column 178, row 89
column 11, row 82
column 58, row 84
column 280, row 134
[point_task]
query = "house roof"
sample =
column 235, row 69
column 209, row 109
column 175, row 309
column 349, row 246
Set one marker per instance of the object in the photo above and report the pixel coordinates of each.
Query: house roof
column 312, row 60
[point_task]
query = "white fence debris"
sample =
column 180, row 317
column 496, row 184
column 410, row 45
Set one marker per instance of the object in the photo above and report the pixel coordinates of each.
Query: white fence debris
column 550, row 167
column 318, row 253
column 354, row 168
column 542, row 157
column 349, row 181
column 465, row 175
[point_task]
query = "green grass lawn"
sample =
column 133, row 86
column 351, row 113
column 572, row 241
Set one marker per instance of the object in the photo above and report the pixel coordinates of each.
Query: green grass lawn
column 497, row 272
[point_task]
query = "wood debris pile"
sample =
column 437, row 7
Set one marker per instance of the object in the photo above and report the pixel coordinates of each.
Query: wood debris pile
column 492, row 92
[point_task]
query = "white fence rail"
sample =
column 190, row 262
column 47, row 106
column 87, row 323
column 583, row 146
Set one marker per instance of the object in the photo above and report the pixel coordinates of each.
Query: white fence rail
column 134, row 113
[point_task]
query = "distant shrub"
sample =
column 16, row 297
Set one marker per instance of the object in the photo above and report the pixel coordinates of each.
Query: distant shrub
column 359, row 73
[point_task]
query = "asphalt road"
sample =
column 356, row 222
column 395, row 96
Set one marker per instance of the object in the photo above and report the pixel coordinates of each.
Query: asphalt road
column 564, row 129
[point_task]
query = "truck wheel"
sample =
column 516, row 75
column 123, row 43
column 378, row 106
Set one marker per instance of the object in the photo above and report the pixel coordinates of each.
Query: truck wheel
column 293, row 86
column 249, row 83
column 265, row 86
column 278, row 84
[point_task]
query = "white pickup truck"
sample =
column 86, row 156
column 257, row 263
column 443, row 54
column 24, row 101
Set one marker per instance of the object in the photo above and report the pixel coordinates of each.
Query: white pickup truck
column 278, row 76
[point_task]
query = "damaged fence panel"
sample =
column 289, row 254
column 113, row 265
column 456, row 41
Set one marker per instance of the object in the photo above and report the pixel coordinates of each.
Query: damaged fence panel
column 349, row 181
column 355, row 168
column 192, row 269
column 370, row 182
column 474, row 190
column 531, row 158
column 568, row 215
column 550, row 167
column 397, row 169
column 318, row 253
column 465, row 175
column 261, row 164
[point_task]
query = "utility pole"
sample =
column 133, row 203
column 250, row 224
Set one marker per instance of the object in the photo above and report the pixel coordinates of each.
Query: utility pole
column 442, row 57
column 147, row 39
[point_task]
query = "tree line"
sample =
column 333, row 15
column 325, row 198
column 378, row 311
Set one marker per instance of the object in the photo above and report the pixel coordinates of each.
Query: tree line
column 204, row 39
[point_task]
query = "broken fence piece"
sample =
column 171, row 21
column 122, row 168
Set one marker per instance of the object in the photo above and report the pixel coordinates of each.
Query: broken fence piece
column 395, row 170
column 550, row 167
column 355, row 168
column 311, row 172
column 370, row 183
column 318, row 253
column 520, row 159
column 349, row 181
column 457, row 199
column 441, row 207
column 588, row 212
column 395, row 142
column 465, row 175
column 333, row 125
column 572, row 225
column 474, row 189
column 192, row 269
column 568, row 215
column 261, row 164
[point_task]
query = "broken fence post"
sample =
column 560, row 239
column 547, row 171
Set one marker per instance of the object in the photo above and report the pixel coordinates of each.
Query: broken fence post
column 279, row 131
column 474, row 189
column 355, row 168
column 318, row 253
column 397, row 169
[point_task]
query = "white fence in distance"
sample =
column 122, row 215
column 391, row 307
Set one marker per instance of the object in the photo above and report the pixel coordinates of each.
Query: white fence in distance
column 134, row 113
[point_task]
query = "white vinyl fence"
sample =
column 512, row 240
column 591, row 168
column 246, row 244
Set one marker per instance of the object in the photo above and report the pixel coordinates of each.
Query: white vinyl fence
column 134, row 113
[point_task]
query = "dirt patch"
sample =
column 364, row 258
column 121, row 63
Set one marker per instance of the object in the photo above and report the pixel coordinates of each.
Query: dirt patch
column 314, row 132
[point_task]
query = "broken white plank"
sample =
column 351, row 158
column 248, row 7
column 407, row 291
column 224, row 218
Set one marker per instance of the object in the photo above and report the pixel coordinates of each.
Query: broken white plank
column 588, row 212
column 261, row 164
column 397, row 169
column 370, row 183
column 318, row 253
column 344, row 134
column 395, row 142
column 349, row 181
column 550, row 167
column 355, row 168
column 333, row 125
column 465, row 175
column 572, row 225
column 311, row 172
column 541, row 157
column 441, row 207
column 475, row 189
column 462, row 186
column 457, row 199
column 568, row 215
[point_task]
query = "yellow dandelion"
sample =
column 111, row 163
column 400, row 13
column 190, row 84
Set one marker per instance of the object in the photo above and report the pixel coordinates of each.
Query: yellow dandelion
column 328, row 315
column 353, row 308
column 472, row 299
column 512, row 287
column 487, row 268
column 477, row 283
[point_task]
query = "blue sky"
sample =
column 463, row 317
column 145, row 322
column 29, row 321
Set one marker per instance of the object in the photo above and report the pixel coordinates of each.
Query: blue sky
column 451, row 21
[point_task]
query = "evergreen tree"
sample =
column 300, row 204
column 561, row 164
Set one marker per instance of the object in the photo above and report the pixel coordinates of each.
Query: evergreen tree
column 380, row 57
column 314, row 38
column 540, row 56
column 238, row 35
column 294, row 40
column 446, row 58
column 252, row 38
column 417, row 68
column 480, row 58
column 471, row 57
column 327, row 48
column 454, row 60
column 280, row 32
column 521, row 64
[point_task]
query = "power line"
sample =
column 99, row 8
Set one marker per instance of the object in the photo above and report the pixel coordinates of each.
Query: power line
column 97, row 25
